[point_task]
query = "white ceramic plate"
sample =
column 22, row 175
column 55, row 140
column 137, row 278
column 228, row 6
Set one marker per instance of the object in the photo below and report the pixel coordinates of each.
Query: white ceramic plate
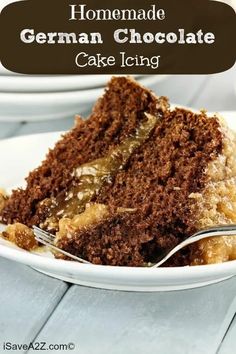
column 44, row 83
column 15, row 107
column 17, row 159
column 56, row 83
column 53, row 105
column 4, row 71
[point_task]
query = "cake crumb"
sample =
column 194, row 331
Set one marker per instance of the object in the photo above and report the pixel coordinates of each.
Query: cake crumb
column 78, row 120
column 176, row 188
column 20, row 235
column 195, row 195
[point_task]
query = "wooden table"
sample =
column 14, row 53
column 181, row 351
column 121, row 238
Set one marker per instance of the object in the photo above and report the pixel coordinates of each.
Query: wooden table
column 34, row 307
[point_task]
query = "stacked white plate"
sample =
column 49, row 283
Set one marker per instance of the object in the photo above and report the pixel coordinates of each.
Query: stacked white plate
column 37, row 97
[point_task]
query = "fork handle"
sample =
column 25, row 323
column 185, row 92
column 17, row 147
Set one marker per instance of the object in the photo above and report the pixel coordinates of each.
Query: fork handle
column 230, row 227
column 195, row 238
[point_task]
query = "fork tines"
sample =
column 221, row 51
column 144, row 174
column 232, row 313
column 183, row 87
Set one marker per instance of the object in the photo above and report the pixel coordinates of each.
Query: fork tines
column 44, row 235
column 47, row 239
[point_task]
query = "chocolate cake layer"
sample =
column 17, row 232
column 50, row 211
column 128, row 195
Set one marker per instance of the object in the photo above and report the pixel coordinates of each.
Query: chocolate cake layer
column 124, row 187
column 157, row 182
column 115, row 116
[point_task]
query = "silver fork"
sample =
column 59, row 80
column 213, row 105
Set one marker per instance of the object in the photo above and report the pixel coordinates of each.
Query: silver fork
column 47, row 239
column 217, row 231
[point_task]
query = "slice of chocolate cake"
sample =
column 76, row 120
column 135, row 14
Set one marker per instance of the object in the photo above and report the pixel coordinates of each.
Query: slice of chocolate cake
column 134, row 180
column 115, row 116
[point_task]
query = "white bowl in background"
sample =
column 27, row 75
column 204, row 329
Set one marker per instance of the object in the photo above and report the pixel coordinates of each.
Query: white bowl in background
column 19, row 106
column 55, row 83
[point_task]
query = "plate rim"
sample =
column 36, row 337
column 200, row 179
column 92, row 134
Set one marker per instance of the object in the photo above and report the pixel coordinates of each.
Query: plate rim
column 193, row 272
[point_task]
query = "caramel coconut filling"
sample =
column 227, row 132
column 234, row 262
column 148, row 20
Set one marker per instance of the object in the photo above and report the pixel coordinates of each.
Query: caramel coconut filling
column 92, row 215
column 21, row 235
column 217, row 205
column 92, row 176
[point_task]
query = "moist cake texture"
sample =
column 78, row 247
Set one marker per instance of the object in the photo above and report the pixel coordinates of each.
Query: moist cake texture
column 128, row 207
column 158, row 183
column 114, row 117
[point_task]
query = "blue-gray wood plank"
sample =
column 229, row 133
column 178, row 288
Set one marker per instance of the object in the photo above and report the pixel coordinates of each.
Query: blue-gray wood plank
column 99, row 321
column 34, row 306
column 228, row 344
column 27, row 299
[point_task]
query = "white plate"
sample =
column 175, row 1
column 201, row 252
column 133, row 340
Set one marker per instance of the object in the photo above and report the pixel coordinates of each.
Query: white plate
column 56, row 83
column 44, row 83
column 17, row 159
column 46, row 106
column 4, row 71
